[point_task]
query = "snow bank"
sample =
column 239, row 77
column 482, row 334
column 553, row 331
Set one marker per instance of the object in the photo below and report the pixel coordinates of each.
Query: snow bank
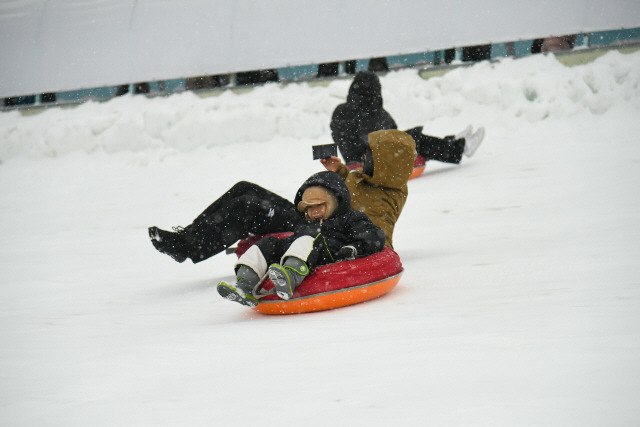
column 534, row 88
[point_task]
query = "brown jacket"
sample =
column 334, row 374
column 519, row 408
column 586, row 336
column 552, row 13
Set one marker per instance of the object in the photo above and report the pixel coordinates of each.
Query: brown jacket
column 383, row 196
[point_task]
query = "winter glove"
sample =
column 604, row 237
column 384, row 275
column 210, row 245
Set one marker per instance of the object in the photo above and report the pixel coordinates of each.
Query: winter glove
column 346, row 253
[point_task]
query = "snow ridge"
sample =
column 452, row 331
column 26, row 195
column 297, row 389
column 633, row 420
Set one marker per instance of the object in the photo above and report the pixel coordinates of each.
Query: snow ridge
column 535, row 88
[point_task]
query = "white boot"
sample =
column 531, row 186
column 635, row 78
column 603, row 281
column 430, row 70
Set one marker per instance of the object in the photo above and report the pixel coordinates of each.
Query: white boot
column 466, row 133
column 472, row 142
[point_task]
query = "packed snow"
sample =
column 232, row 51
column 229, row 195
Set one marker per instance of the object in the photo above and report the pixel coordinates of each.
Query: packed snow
column 519, row 304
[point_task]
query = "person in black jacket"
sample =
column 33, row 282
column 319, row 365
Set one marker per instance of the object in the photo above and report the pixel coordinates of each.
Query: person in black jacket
column 363, row 113
column 329, row 231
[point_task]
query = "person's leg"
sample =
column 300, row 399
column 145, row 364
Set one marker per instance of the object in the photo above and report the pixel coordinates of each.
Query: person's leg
column 250, row 269
column 296, row 262
column 447, row 149
column 256, row 212
column 243, row 291
column 242, row 188
column 300, row 258
column 243, row 210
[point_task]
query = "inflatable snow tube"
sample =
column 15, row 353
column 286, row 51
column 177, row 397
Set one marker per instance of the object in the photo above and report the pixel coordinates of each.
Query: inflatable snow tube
column 334, row 285
column 418, row 167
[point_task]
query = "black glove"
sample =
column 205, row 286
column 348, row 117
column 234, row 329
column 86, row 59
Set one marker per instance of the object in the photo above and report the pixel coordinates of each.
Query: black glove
column 346, row 253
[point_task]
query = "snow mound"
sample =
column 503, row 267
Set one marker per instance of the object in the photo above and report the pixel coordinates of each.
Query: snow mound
column 534, row 88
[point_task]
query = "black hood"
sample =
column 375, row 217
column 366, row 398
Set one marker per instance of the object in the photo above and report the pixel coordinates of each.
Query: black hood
column 331, row 181
column 365, row 91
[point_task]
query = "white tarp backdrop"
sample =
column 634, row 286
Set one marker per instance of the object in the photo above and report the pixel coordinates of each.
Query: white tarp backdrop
column 55, row 45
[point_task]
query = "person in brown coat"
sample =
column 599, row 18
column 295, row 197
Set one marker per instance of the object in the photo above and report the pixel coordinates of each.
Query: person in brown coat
column 379, row 190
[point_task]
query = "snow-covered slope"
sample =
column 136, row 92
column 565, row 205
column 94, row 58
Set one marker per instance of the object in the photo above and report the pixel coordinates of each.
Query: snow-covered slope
column 520, row 299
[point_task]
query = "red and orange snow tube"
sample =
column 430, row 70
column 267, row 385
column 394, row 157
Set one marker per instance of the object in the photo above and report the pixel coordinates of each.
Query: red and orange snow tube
column 418, row 167
column 335, row 285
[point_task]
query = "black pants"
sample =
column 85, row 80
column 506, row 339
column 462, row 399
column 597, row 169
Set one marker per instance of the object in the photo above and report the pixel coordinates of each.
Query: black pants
column 246, row 209
column 447, row 149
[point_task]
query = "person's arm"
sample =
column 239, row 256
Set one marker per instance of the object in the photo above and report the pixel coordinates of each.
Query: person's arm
column 334, row 164
column 366, row 237
column 346, row 134
column 387, row 121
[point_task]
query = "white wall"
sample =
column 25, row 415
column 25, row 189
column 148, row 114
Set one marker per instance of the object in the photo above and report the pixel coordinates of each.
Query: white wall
column 60, row 45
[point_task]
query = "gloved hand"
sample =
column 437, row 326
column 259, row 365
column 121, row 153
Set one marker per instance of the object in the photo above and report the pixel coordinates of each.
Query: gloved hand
column 346, row 253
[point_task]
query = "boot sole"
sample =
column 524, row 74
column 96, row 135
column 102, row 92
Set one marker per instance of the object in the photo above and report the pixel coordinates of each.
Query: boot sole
column 280, row 282
column 229, row 292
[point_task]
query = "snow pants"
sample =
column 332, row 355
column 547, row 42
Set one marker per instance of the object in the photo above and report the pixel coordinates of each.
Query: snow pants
column 245, row 209
column 447, row 149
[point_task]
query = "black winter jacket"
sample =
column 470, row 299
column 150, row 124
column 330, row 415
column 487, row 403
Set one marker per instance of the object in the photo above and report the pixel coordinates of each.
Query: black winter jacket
column 345, row 227
column 362, row 114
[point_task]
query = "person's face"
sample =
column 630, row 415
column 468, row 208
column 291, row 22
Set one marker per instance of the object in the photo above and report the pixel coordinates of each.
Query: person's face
column 317, row 212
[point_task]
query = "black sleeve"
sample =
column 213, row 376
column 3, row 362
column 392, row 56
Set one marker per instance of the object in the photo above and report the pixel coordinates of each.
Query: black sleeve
column 388, row 122
column 365, row 236
column 345, row 134
column 338, row 124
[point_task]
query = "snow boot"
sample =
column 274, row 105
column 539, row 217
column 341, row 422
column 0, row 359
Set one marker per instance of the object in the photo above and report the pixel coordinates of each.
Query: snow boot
column 466, row 133
column 472, row 142
column 173, row 244
column 243, row 291
column 288, row 276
